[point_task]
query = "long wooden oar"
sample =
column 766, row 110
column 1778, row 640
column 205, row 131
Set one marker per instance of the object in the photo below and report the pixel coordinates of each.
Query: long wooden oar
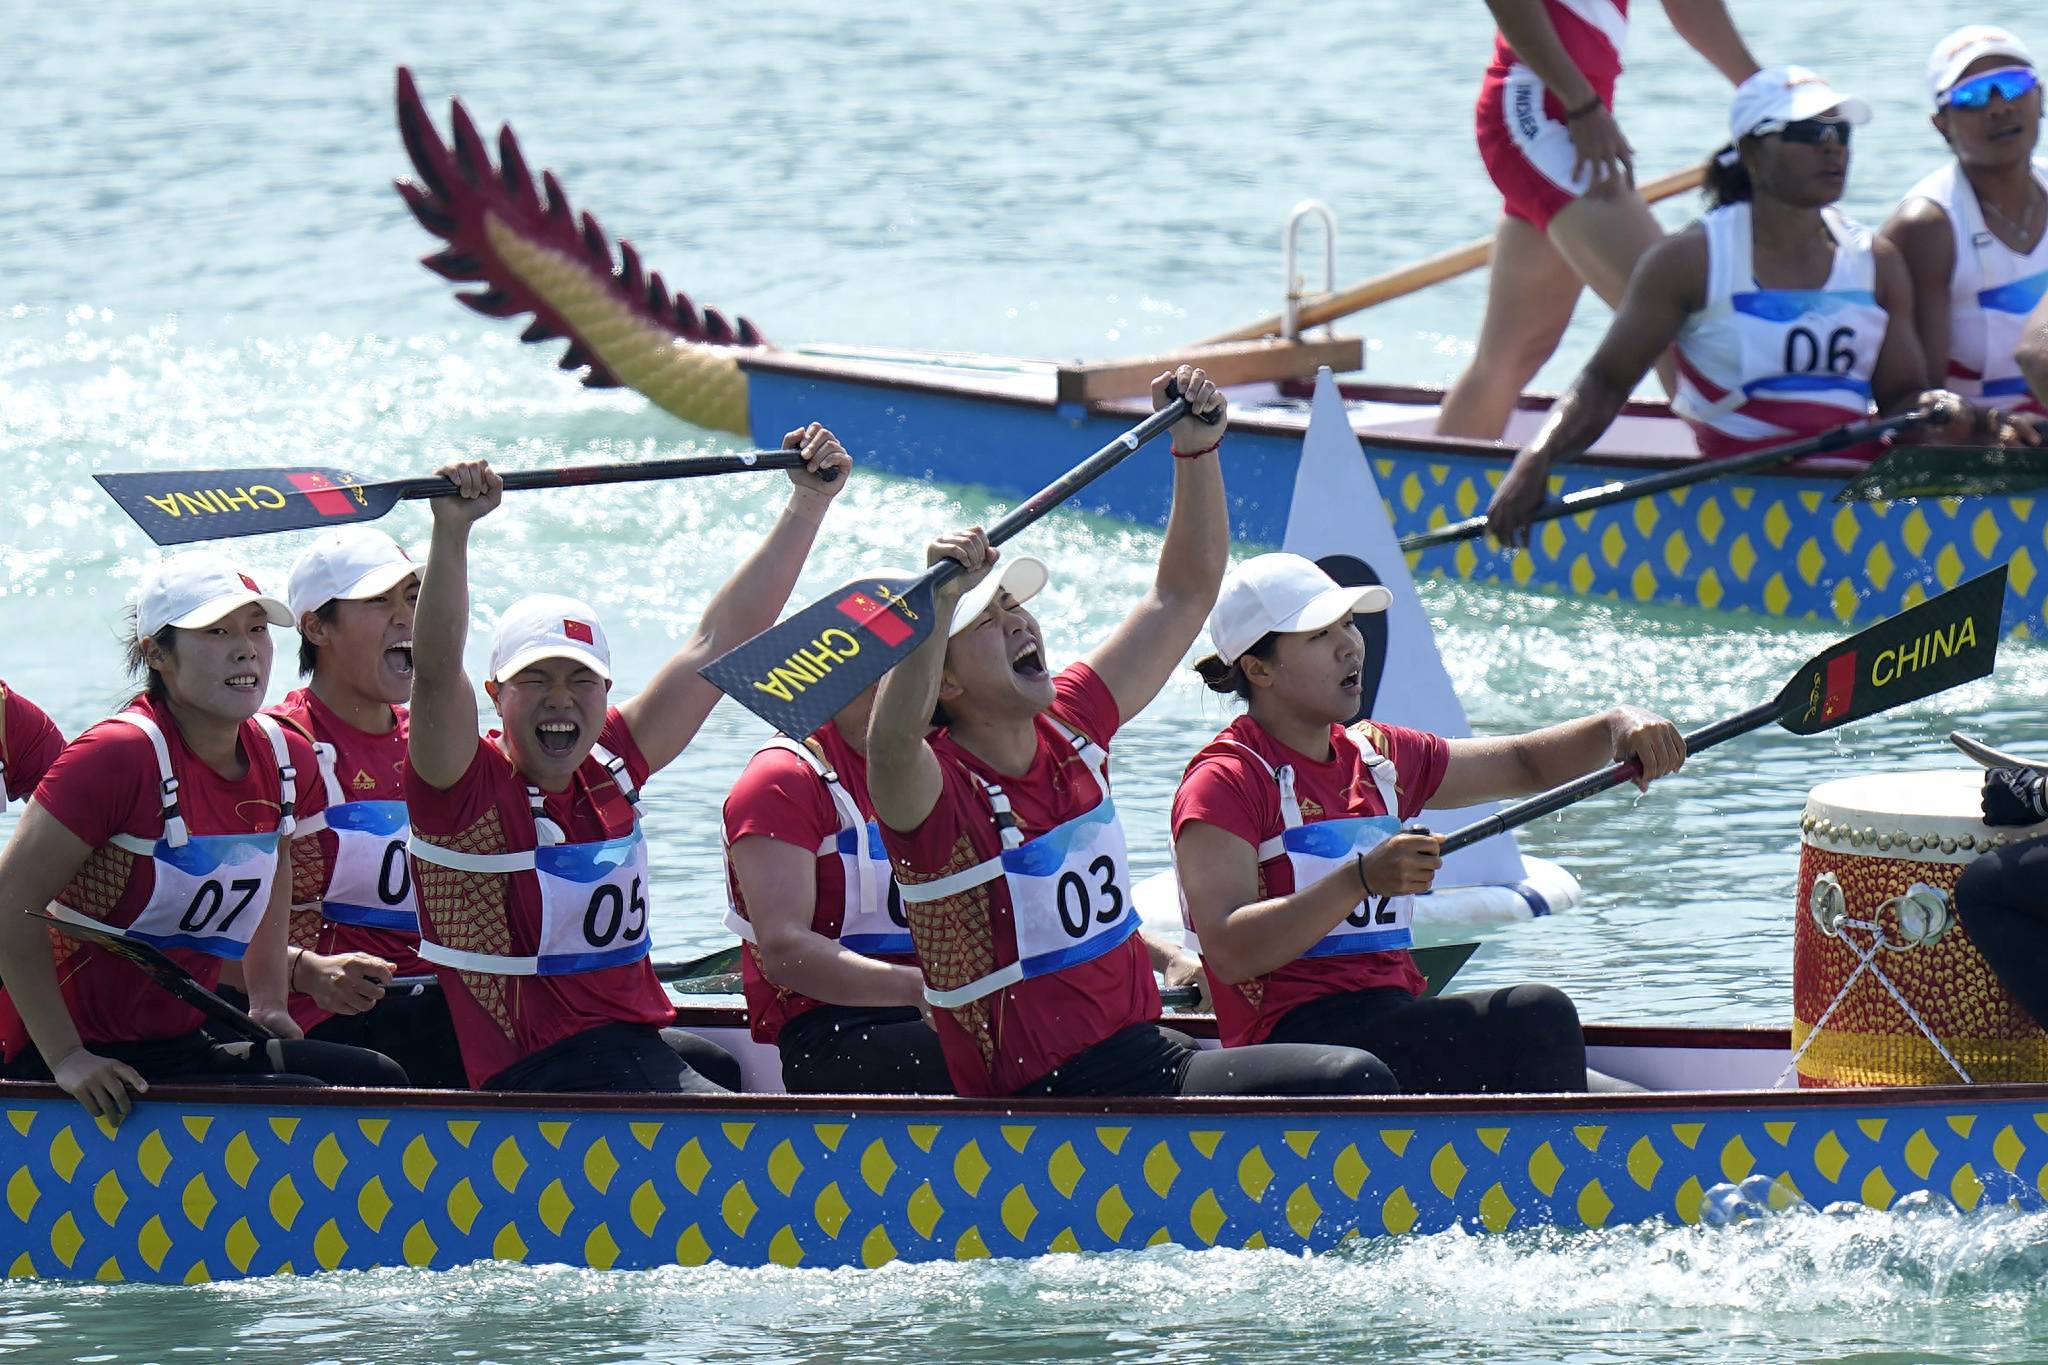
column 168, row 974
column 1942, row 643
column 1438, row 268
column 1950, row 472
column 1699, row 471
column 798, row 674
column 178, row 506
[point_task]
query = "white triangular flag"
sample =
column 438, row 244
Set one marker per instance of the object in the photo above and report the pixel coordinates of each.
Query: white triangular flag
column 1337, row 520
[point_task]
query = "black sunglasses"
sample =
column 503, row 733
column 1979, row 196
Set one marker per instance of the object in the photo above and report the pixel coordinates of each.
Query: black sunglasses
column 1815, row 132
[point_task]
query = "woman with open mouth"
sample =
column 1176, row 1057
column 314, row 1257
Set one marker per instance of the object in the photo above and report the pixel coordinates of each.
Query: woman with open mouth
column 1296, row 875
column 169, row 824
column 531, row 869
column 1974, row 234
column 1784, row 319
column 1009, row 856
column 355, row 921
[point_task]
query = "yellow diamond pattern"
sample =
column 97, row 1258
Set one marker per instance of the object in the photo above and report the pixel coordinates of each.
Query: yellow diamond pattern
column 240, row 1160
column 645, row 1208
column 1398, row 1215
column 1303, row 1211
column 784, row 1166
column 152, row 1158
column 1544, row 1169
column 1206, row 1218
column 830, row 1209
column 1777, row 525
column 1446, row 1170
column 464, row 1206
column 1018, row 1211
column 1948, row 567
column 1594, row 1205
column 373, row 1204
column 1113, row 1213
column 1064, row 1169
column 599, row 1165
column 877, row 1166
column 1920, row 1153
column 1254, row 1174
column 1644, row 1163
column 1496, row 1210
column 555, row 1207
column 970, row 1167
column 1809, row 561
column 924, row 1210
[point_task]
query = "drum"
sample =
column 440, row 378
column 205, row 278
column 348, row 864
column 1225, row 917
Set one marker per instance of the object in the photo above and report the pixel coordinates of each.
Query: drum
column 1886, row 987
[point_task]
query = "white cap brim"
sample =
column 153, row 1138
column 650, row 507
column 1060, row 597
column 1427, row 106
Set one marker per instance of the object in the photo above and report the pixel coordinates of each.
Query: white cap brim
column 208, row 612
column 377, row 581
column 1327, row 609
column 1023, row 578
column 533, row 654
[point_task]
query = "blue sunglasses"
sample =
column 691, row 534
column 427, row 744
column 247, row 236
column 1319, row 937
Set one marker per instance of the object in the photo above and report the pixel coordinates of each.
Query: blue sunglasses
column 2008, row 83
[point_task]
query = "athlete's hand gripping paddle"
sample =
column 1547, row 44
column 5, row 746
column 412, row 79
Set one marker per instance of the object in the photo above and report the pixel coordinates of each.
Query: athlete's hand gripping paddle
column 798, row 674
column 178, row 506
column 1942, row 643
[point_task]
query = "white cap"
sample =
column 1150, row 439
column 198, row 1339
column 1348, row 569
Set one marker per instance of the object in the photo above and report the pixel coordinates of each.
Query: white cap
column 1953, row 55
column 1779, row 95
column 1282, row 594
column 197, row 588
column 345, row 564
column 1022, row 578
column 548, row 626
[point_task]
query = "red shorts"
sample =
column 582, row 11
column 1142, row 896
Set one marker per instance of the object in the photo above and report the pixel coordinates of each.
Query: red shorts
column 1526, row 146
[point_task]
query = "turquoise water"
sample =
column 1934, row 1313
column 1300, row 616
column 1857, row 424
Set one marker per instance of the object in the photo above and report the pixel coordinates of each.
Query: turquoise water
column 203, row 264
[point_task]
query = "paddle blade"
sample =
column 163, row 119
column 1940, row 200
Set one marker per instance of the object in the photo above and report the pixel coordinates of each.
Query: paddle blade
column 800, row 674
column 178, row 506
column 1942, row 643
column 161, row 969
column 1949, row 472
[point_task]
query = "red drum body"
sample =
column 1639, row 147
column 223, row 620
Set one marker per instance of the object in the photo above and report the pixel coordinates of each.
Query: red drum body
column 1886, row 986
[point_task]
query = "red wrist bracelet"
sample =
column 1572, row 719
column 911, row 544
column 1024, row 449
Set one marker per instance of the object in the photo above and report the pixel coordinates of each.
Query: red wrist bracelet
column 1180, row 454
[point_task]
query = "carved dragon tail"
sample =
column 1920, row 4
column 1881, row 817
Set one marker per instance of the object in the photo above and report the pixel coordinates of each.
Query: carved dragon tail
column 534, row 254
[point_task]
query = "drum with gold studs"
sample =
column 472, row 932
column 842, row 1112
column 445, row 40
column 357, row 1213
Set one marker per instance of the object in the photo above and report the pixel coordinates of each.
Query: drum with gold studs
column 1886, row 987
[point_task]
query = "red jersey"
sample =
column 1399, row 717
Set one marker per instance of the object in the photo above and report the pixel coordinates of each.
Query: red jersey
column 1002, row 1042
column 105, row 783
column 1228, row 788
column 368, row 768
column 781, row 797
column 29, row 744
column 502, row 1019
column 1593, row 33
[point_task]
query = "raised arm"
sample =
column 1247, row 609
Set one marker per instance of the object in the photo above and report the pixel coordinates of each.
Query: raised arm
column 1668, row 286
column 667, row 715
column 443, row 735
column 1142, row 652
column 904, row 780
column 1522, row 765
column 40, row 861
column 1708, row 30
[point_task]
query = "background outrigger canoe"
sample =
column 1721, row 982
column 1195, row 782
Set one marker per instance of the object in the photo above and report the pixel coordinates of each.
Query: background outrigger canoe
column 222, row 1184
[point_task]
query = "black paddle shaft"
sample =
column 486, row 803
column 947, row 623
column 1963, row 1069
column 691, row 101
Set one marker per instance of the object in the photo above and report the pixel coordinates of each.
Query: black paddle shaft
column 1698, row 471
column 644, row 471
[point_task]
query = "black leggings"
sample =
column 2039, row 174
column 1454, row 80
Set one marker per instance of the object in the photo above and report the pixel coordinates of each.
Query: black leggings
column 2002, row 899
column 413, row 1029
column 1146, row 1059
column 612, row 1058
column 1522, row 1039
column 197, row 1059
column 848, row 1050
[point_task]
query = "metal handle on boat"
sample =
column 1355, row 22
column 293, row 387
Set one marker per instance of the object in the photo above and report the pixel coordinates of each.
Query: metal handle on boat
column 1290, row 326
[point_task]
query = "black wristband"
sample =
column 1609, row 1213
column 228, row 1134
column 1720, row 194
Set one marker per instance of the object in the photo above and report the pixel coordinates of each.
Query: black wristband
column 1363, row 885
column 1574, row 115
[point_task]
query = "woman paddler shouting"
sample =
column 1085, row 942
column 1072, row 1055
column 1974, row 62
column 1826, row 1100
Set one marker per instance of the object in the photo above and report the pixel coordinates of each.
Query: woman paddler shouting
column 169, row 824
column 1006, row 845
column 534, row 900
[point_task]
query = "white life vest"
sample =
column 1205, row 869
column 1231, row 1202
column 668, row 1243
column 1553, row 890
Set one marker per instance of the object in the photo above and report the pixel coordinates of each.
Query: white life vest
column 210, row 890
column 369, row 879
column 1767, row 365
column 871, row 919
column 1316, row 850
column 593, row 896
column 1990, row 294
column 1069, row 888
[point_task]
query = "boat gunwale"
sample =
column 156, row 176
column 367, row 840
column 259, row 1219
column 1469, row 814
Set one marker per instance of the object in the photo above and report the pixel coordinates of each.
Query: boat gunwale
column 899, row 377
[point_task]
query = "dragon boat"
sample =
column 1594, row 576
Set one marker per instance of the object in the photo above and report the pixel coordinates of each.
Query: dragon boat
column 1773, row 543
column 218, row 1184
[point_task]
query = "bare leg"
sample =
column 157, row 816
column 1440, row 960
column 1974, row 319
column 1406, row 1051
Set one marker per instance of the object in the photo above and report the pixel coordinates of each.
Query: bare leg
column 1529, row 300
column 1602, row 237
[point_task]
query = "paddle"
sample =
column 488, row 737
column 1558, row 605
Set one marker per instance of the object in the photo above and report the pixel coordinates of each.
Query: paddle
column 1949, row 472
column 798, row 674
column 712, row 966
column 1438, row 268
column 1977, row 751
column 178, row 506
column 1942, row 643
column 1699, row 471
column 166, row 973
column 1438, row 964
